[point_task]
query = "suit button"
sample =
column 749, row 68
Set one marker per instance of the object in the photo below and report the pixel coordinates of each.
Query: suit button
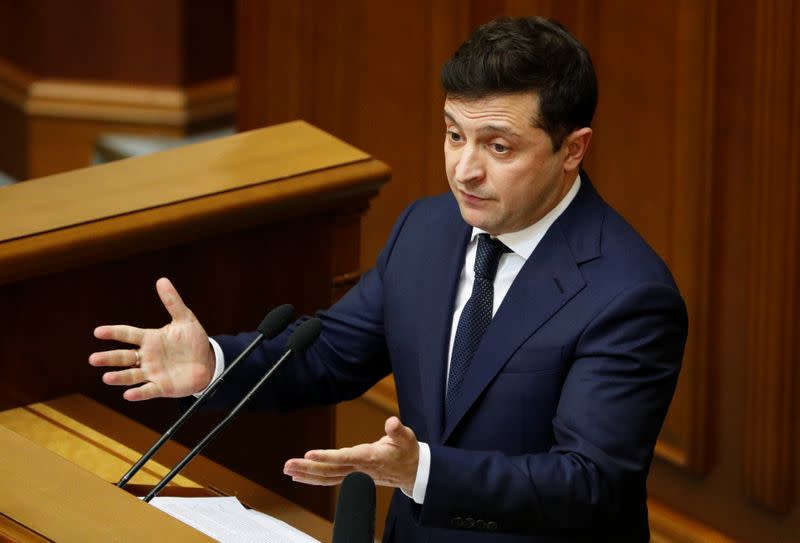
column 480, row 524
column 457, row 522
column 469, row 522
column 491, row 525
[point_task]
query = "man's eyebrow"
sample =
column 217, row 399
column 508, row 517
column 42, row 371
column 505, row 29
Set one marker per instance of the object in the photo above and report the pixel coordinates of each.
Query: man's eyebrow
column 489, row 128
column 493, row 128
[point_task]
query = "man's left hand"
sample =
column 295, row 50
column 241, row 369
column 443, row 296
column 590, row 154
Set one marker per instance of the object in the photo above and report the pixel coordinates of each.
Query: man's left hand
column 390, row 461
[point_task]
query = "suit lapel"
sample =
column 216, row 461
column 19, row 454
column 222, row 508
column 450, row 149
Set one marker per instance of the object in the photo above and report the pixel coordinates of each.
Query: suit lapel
column 546, row 282
column 437, row 296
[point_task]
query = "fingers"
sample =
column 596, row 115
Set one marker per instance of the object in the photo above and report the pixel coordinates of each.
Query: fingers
column 315, row 479
column 323, row 474
column 172, row 300
column 321, row 469
column 390, row 461
column 316, row 473
column 120, row 332
column 402, row 435
column 145, row 392
column 118, row 358
column 347, row 455
column 132, row 376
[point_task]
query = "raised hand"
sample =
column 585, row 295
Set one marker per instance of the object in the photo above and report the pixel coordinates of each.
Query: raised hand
column 173, row 361
column 390, row 461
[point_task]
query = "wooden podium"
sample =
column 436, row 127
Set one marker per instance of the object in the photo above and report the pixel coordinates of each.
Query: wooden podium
column 44, row 497
column 240, row 224
column 59, row 468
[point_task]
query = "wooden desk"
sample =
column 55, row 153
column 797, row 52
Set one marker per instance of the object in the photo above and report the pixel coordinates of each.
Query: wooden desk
column 239, row 224
column 106, row 443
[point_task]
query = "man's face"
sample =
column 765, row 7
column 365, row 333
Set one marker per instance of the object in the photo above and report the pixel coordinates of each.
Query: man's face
column 501, row 169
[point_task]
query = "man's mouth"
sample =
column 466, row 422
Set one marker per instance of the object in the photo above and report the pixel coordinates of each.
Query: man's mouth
column 472, row 197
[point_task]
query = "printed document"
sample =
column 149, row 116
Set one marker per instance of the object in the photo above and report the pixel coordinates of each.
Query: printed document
column 228, row 521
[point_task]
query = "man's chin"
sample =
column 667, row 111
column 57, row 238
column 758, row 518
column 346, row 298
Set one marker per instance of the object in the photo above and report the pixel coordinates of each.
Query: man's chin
column 476, row 219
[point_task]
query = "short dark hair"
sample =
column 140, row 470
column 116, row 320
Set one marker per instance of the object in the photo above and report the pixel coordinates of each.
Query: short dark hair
column 508, row 55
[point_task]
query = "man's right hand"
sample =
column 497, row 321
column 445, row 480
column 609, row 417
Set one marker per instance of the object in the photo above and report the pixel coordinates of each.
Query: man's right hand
column 171, row 362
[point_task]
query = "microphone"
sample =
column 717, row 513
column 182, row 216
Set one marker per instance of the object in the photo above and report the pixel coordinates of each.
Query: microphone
column 302, row 338
column 355, row 511
column 272, row 325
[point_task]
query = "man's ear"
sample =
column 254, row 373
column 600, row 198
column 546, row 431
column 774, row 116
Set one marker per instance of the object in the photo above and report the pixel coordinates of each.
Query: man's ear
column 575, row 146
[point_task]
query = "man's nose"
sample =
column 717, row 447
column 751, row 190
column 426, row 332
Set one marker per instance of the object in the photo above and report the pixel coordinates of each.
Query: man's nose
column 469, row 167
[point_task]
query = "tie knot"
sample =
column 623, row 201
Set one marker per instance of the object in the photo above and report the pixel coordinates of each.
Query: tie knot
column 488, row 256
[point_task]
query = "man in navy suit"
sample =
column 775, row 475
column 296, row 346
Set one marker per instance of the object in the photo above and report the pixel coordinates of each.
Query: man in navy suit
column 534, row 337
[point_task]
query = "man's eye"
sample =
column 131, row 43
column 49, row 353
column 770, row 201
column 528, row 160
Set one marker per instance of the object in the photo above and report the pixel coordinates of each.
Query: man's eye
column 453, row 136
column 498, row 147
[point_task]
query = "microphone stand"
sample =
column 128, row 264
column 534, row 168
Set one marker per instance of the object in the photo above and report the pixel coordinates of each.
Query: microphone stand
column 306, row 334
column 275, row 321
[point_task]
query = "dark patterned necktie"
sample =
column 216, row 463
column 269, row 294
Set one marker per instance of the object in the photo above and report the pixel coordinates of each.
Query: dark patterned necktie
column 475, row 317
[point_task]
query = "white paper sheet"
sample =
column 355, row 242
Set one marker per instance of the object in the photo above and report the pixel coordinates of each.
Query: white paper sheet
column 228, row 521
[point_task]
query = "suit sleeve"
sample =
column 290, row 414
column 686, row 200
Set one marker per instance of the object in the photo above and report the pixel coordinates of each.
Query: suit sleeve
column 348, row 358
column 612, row 406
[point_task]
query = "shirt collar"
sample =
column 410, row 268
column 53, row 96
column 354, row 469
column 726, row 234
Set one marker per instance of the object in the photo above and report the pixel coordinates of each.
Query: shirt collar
column 523, row 242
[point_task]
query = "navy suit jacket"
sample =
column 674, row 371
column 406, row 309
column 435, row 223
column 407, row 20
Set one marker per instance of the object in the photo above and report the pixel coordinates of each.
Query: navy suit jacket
column 562, row 403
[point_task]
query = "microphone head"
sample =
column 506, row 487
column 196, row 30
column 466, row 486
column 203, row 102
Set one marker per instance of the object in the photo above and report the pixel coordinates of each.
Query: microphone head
column 306, row 334
column 355, row 511
column 276, row 321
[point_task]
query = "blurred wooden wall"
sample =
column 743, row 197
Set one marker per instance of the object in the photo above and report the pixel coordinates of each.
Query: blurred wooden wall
column 696, row 143
column 696, row 140
column 70, row 71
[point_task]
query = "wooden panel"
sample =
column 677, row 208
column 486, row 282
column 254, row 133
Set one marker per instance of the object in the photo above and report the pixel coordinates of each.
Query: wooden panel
column 744, row 231
column 148, row 41
column 13, row 138
column 162, row 105
column 51, row 126
column 668, row 526
column 13, row 532
column 153, row 67
column 351, row 69
column 687, row 437
column 59, row 145
column 207, row 45
column 139, row 41
column 772, row 353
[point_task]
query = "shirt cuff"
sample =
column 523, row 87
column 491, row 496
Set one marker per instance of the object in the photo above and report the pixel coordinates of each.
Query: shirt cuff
column 219, row 360
column 423, row 473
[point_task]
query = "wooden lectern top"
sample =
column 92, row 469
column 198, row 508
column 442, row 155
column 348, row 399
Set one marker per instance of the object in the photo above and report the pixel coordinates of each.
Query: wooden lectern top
column 56, row 499
column 61, row 458
column 165, row 199
column 135, row 184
